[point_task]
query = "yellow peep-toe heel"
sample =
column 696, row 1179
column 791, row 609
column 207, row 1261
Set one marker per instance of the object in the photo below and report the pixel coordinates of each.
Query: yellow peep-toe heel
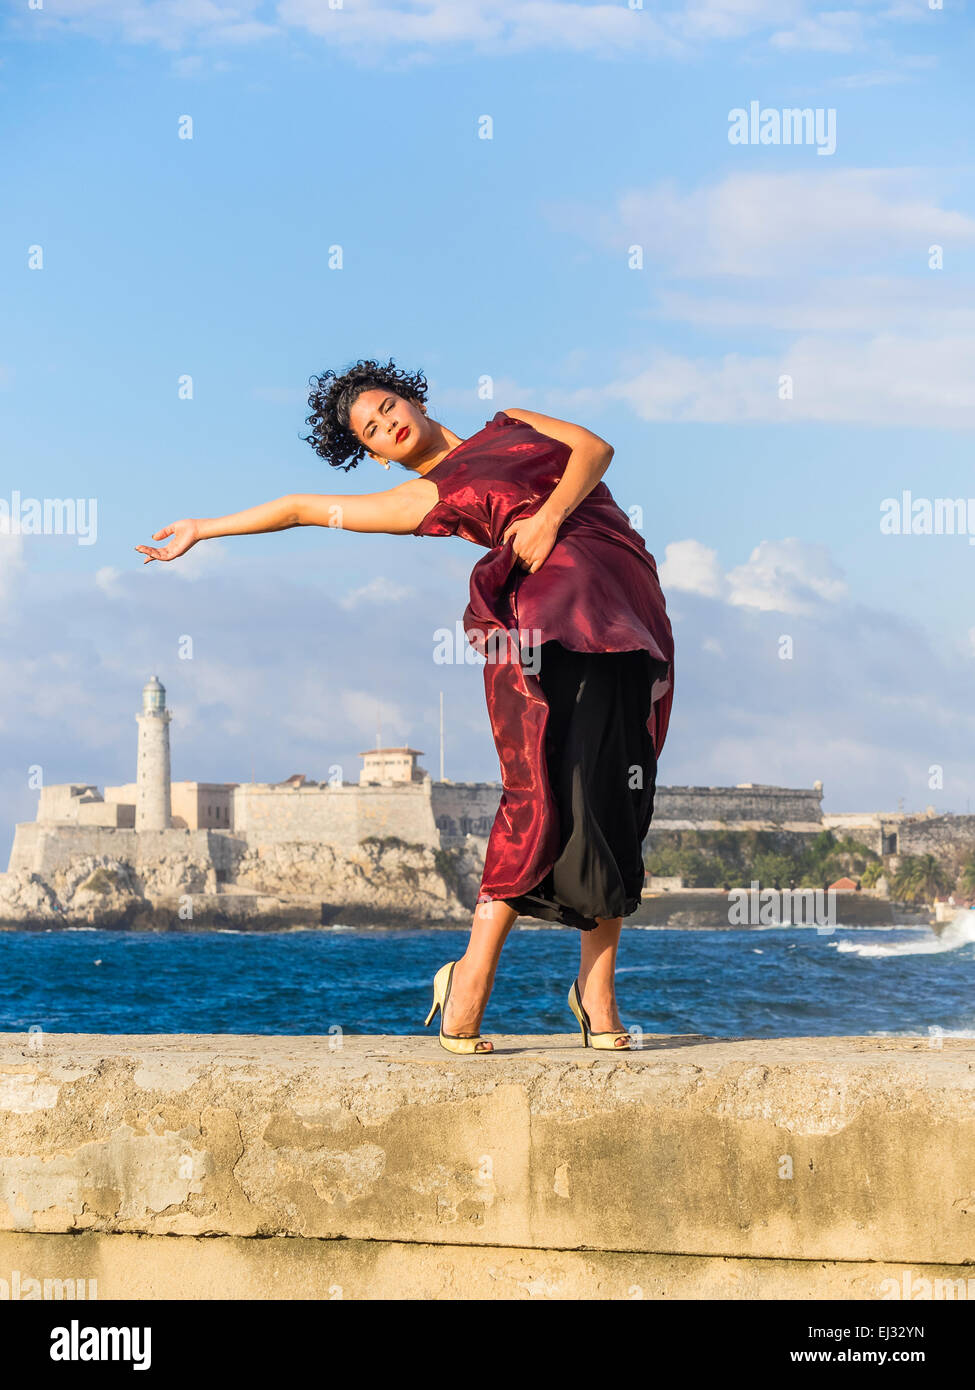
column 604, row 1041
column 452, row 1042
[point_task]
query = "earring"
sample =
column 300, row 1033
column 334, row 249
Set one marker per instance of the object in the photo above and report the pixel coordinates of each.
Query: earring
column 385, row 463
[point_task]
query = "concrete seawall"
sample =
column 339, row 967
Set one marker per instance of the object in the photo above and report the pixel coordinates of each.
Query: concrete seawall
column 356, row 1167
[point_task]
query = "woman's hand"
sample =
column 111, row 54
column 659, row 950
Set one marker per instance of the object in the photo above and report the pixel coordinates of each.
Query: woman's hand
column 185, row 535
column 532, row 539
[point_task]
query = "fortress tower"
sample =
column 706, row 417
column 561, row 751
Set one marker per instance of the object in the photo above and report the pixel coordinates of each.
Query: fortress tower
column 153, row 804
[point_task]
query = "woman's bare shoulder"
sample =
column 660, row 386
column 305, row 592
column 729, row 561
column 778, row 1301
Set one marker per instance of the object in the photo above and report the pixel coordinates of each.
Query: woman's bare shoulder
column 417, row 496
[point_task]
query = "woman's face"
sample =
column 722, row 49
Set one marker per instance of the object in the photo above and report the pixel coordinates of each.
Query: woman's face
column 389, row 426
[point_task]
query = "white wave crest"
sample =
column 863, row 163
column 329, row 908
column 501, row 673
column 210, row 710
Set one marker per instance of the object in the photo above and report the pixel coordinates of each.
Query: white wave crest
column 960, row 932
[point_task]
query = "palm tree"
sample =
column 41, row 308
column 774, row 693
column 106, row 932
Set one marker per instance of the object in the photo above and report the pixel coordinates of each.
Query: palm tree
column 871, row 873
column 920, row 878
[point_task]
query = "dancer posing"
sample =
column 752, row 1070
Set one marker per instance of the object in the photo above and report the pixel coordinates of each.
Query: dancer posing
column 567, row 611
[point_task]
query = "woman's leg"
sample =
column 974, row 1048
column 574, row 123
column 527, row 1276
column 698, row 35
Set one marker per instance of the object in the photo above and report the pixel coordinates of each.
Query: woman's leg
column 473, row 977
column 597, row 976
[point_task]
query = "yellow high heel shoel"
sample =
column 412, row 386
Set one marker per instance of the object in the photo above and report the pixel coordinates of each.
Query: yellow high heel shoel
column 452, row 1042
column 604, row 1041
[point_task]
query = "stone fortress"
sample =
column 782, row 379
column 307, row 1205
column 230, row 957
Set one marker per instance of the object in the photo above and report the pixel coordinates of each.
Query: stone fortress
column 396, row 843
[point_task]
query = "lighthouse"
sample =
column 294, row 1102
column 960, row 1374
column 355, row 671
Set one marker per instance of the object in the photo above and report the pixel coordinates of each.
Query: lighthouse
column 152, row 807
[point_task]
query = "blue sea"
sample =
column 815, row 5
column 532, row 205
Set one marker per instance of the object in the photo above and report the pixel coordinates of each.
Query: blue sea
column 772, row 982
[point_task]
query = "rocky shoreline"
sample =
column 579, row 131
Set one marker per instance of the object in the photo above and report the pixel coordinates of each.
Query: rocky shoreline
column 282, row 887
column 386, row 889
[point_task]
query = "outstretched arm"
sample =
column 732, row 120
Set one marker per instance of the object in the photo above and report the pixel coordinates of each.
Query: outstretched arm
column 590, row 456
column 397, row 511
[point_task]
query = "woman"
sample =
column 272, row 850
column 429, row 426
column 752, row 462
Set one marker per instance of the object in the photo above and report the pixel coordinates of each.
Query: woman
column 566, row 609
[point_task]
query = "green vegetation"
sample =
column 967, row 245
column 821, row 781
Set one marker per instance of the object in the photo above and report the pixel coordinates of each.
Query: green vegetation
column 712, row 858
column 921, row 878
column 101, row 881
column 872, row 873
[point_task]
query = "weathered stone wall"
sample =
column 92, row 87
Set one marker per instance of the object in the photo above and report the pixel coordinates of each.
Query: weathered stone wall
column 202, row 805
column 48, row 850
column 938, row 835
column 877, row 831
column 360, row 1167
column 74, row 803
column 464, row 808
column 60, row 801
column 702, row 807
column 340, row 816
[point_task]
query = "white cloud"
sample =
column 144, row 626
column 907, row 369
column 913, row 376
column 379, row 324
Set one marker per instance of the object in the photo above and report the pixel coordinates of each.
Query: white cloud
column 280, row 679
column 887, row 380
column 492, row 26
column 780, row 252
column 789, row 223
column 405, row 31
column 784, row 576
column 692, row 568
column 839, row 31
column 107, row 578
column 168, row 23
column 732, row 19
column 747, row 714
column 372, row 713
column 787, row 576
column 378, row 590
column 927, row 304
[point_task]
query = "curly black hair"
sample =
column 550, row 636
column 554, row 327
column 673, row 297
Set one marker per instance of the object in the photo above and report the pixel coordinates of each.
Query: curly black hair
column 333, row 396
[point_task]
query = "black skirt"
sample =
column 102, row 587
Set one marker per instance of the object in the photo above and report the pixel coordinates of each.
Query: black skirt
column 602, row 770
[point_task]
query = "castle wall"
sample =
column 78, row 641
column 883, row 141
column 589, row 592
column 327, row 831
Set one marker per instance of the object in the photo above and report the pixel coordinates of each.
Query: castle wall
column 109, row 814
column 341, row 816
column 78, row 803
column 128, row 792
column 60, row 801
column 464, row 808
column 876, row 831
column 936, row 835
column 870, row 836
column 49, row 849
column 736, row 807
column 202, row 805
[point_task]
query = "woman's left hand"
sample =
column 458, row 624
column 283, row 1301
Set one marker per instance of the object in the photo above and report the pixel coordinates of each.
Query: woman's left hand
column 532, row 539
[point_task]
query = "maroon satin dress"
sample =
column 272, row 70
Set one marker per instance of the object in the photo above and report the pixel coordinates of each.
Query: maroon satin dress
column 597, row 591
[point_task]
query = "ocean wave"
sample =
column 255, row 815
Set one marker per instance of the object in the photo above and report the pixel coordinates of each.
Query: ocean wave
column 960, row 932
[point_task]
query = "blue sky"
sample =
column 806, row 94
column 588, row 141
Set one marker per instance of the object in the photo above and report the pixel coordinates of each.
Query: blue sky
column 505, row 259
